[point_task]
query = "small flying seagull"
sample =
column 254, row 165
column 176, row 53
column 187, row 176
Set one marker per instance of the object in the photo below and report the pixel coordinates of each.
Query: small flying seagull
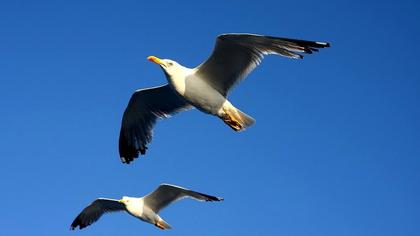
column 145, row 208
column 204, row 87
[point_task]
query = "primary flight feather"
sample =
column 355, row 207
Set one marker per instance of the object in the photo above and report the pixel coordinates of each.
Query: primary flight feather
column 204, row 87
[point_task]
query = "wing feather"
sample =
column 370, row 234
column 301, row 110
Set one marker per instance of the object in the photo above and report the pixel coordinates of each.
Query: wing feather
column 143, row 109
column 236, row 55
column 165, row 194
column 94, row 211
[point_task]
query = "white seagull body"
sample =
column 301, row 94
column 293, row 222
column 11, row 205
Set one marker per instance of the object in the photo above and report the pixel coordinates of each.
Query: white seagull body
column 144, row 208
column 205, row 87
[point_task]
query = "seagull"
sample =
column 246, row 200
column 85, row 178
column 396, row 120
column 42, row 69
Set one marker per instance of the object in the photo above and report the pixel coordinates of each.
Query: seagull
column 144, row 208
column 204, row 87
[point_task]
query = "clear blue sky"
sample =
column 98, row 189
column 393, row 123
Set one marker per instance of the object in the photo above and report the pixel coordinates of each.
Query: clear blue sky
column 335, row 150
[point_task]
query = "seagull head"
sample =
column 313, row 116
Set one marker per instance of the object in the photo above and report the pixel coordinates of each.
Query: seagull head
column 124, row 200
column 170, row 67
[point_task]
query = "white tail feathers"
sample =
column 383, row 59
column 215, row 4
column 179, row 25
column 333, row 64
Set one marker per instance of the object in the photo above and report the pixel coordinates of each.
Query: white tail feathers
column 236, row 119
column 246, row 119
column 162, row 224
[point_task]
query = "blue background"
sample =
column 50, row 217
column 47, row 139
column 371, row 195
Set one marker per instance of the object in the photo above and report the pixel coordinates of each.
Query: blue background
column 335, row 150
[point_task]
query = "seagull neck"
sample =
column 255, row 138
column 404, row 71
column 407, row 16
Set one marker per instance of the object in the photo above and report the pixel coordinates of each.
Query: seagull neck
column 178, row 79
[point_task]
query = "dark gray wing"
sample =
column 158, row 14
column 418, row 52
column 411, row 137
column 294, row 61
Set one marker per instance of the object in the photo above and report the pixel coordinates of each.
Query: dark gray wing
column 165, row 194
column 144, row 107
column 95, row 210
column 236, row 55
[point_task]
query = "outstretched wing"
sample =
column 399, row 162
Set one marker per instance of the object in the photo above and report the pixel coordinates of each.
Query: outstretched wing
column 144, row 107
column 165, row 194
column 94, row 211
column 236, row 55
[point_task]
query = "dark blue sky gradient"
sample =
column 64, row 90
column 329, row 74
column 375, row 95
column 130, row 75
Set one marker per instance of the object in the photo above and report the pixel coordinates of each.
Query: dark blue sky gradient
column 335, row 150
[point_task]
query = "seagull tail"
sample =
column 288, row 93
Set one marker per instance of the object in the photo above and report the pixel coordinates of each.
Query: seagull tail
column 162, row 224
column 236, row 119
column 245, row 119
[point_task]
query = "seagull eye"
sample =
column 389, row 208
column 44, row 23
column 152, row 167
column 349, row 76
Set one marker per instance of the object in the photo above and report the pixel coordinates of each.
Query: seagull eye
column 170, row 64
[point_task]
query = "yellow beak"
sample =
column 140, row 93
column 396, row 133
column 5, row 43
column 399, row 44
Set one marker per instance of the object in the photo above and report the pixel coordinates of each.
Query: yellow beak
column 155, row 60
column 121, row 201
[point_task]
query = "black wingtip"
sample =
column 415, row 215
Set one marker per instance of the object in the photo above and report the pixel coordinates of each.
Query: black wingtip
column 323, row 44
column 217, row 199
column 128, row 160
column 74, row 227
column 212, row 198
column 127, row 151
column 76, row 223
column 310, row 46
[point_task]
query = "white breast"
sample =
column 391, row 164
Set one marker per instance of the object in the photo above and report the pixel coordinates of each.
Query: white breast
column 204, row 97
column 135, row 207
column 196, row 91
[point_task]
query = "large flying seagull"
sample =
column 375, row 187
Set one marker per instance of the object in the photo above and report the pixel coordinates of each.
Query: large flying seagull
column 204, row 87
column 144, row 208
